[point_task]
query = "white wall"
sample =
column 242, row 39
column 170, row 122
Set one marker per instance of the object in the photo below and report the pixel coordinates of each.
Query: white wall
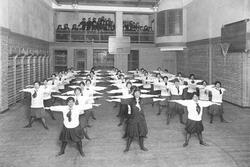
column 170, row 4
column 33, row 18
column 4, row 10
column 151, row 57
column 206, row 17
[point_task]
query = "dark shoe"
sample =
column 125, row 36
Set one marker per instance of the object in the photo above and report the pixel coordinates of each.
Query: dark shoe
column 126, row 150
column 120, row 124
column 79, row 146
column 82, row 154
column 59, row 154
column 27, row 126
column 185, row 144
column 204, row 144
column 141, row 143
column 144, row 149
column 86, row 136
column 224, row 121
column 89, row 126
column 158, row 113
column 94, row 118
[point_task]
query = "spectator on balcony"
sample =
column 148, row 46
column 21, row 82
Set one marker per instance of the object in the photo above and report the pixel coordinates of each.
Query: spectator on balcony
column 145, row 28
column 99, row 24
column 137, row 26
column 89, row 24
column 105, row 24
column 59, row 28
column 74, row 27
column 83, row 24
column 109, row 24
column 94, row 24
column 66, row 27
column 113, row 27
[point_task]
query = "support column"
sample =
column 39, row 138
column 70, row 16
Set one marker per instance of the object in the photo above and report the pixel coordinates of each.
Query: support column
column 119, row 23
column 210, row 51
column 120, row 60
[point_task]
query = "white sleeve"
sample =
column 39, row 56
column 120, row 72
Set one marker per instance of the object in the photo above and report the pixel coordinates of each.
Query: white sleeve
column 58, row 108
column 182, row 102
column 158, row 99
column 206, row 103
column 87, row 106
column 29, row 90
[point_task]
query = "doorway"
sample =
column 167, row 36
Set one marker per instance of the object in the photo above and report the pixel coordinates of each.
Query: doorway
column 102, row 59
column 80, row 59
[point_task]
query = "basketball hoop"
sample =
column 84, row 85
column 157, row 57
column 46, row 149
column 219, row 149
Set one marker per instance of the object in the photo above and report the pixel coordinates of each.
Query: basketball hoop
column 224, row 49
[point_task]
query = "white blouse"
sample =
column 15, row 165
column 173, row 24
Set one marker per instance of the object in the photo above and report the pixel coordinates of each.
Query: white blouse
column 174, row 90
column 166, row 91
column 191, row 86
column 216, row 95
column 157, row 84
column 82, row 100
column 146, row 82
column 76, row 111
column 47, row 92
column 37, row 102
column 204, row 93
column 191, row 108
column 55, row 85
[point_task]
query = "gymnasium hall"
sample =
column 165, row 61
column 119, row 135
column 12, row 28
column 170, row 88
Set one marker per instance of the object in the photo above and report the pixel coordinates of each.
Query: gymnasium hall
column 125, row 83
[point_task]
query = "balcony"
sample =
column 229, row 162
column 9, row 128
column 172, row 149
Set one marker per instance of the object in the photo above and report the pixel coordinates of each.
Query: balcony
column 102, row 36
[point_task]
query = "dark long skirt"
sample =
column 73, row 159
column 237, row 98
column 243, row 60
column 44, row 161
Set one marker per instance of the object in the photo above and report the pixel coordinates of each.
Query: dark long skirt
column 165, row 103
column 137, row 127
column 216, row 109
column 37, row 112
column 123, row 112
column 194, row 126
column 71, row 134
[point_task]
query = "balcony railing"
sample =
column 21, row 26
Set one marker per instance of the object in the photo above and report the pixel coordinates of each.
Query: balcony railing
column 102, row 36
column 140, row 36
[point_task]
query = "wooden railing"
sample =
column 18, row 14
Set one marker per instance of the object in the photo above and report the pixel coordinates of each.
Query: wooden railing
column 102, row 36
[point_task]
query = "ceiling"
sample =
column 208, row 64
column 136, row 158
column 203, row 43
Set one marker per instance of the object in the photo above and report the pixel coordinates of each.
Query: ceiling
column 120, row 3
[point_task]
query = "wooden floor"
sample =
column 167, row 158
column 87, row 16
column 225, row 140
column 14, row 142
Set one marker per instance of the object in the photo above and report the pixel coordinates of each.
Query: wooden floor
column 37, row 147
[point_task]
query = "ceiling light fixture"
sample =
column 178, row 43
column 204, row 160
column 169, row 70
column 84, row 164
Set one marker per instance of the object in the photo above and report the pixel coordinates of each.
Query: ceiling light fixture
column 75, row 4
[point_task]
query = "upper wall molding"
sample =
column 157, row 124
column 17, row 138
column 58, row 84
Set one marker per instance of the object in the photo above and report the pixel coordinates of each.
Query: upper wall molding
column 102, row 8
